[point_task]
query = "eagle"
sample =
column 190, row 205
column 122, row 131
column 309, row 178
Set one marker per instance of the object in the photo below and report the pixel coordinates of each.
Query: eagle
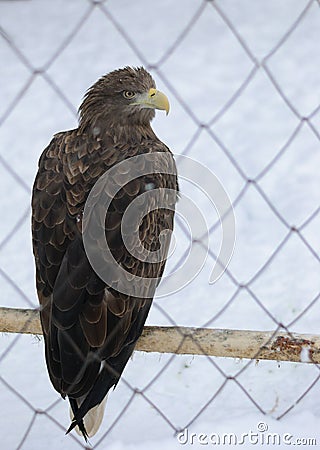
column 90, row 322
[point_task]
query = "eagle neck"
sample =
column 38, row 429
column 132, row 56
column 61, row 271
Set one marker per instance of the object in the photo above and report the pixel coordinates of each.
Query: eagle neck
column 131, row 133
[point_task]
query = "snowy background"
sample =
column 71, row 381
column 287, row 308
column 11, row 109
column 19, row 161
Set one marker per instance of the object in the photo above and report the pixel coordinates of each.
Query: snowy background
column 243, row 81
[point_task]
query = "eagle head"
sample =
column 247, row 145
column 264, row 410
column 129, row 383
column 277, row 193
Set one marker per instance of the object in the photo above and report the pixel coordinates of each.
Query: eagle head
column 125, row 96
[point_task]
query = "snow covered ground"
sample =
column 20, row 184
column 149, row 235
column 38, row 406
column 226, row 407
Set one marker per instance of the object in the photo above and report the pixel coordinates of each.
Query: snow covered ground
column 247, row 70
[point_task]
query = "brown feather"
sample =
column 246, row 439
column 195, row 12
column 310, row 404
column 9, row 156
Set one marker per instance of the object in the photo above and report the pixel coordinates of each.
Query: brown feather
column 85, row 322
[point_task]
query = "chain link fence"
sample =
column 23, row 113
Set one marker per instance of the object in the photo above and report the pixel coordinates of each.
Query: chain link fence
column 245, row 103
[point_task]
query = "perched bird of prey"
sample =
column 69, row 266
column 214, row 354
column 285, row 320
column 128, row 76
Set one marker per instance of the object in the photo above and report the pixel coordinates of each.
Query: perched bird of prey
column 90, row 328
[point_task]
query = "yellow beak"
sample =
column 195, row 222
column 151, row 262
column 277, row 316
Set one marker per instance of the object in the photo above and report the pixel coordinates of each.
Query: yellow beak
column 153, row 99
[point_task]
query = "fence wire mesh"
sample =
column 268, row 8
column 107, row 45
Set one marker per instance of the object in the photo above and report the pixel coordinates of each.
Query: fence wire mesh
column 246, row 104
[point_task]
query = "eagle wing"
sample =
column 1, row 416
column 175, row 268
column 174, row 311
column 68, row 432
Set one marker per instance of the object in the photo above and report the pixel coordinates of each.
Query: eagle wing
column 85, row 322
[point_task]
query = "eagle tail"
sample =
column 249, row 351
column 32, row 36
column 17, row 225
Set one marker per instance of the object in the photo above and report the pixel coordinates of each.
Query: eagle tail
column 90, row 424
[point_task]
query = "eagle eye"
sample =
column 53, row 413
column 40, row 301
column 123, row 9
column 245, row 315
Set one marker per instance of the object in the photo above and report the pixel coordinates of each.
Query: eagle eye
column 128, row 94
